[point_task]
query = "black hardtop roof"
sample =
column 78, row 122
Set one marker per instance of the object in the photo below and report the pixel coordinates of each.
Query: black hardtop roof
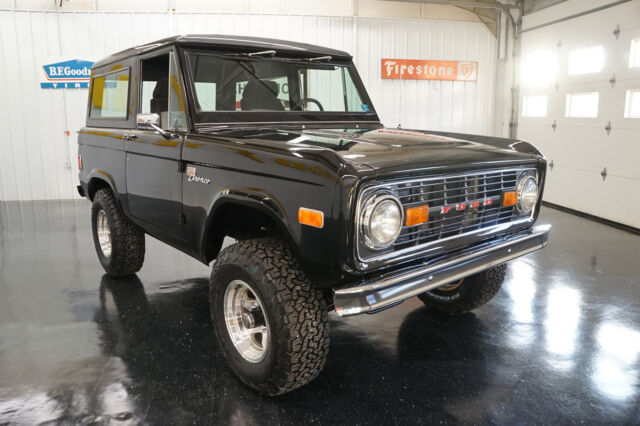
column 228, row 42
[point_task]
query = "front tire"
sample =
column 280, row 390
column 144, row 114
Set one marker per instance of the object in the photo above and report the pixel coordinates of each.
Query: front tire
column 467, row 294
column 119, row 242
column 270, row 322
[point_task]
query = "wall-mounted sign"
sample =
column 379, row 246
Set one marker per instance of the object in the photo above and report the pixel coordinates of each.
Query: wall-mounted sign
column 72, row 74
column 417, row 69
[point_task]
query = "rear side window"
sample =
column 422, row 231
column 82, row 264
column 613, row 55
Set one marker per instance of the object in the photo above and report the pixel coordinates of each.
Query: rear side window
column 110, row 95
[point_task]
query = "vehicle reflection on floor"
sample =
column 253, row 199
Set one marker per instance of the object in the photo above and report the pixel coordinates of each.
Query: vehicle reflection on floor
column 560, row 343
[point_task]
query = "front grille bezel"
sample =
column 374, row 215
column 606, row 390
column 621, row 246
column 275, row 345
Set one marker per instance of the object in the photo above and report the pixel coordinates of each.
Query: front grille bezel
column 371, row 256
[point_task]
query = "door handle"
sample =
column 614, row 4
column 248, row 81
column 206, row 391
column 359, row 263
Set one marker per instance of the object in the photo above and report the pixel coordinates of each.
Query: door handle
column 130, row 137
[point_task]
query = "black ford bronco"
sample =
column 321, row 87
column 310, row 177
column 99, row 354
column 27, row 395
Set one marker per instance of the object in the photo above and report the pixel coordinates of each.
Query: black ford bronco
column 276, row 145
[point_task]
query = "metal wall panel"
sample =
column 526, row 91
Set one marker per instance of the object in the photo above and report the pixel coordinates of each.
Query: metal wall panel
column 38, row 160
column 580, row 148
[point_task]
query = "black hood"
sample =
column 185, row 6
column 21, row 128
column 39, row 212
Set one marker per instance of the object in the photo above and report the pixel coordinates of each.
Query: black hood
column 395, row 151
column 412, row 151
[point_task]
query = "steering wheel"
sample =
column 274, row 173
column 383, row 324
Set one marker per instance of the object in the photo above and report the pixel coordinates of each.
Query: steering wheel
column 312, row 100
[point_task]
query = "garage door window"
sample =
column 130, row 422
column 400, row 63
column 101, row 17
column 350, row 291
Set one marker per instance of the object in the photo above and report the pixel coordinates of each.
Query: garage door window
column 539, row 68
column 534, row 106
column 634, row 55
column 586, row 61
column 632, row 104
column 110, row 95
column 582, row 105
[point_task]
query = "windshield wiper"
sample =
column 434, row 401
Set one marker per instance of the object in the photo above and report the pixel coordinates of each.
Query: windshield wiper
column 320, row 58
column 264, row 52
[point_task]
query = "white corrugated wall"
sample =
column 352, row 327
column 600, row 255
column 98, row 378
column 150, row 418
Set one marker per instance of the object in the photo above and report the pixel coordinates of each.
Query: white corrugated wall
column 38, row 160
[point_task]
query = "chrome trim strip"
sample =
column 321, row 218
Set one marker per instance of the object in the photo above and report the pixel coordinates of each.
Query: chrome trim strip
column 416, row 249
column 395, row 287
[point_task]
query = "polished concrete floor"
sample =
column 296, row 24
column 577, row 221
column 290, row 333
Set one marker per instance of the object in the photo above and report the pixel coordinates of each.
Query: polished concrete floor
column 559, row 344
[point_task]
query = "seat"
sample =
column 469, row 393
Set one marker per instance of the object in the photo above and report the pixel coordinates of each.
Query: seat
column 160, row 101
column 261, row 95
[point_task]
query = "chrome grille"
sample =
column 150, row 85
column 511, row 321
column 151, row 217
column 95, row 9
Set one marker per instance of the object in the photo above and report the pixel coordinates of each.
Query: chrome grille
column 479, row 192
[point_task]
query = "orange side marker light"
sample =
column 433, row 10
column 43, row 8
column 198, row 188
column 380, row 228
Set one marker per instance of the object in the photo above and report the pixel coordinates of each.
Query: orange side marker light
column 509, row 198
column 311, row 217
column 417, row 215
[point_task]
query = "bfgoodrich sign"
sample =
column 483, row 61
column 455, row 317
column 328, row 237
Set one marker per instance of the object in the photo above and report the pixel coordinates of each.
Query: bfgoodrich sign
column 72, row 74
column 416, row 69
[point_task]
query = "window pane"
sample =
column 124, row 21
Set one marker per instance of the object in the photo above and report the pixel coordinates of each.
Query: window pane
column 280, row 89
column 155, row 88
column 587, row 60
column 582, row 105
column 534, row 106
column 539, row 68
column 634, row 55
column 110, row 95
column 206, row 94
column 269, row 84
column 332, row 88
column 177, row 110
column 632, row 104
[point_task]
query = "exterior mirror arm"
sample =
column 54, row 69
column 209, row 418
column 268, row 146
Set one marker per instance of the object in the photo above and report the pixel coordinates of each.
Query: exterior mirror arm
column 150, row 122
column 162, row 132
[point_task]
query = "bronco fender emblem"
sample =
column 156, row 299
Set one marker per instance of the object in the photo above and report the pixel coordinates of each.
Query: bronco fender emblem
column 192, row 177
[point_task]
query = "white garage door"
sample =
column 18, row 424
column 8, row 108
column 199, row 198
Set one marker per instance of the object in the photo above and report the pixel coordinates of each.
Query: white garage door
column 580, row 105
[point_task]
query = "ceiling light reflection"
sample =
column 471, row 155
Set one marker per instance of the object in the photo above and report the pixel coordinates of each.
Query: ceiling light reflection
column 561, row 324
column 615, row 372
column 522, row 291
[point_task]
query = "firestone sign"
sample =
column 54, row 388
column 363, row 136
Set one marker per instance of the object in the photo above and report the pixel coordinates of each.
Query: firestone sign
column 72, row 74
column 417, row 69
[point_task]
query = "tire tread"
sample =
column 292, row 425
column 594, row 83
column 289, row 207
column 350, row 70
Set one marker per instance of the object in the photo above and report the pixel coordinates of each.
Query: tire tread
column 486, row 285
column 302, row 330
column 127, row 239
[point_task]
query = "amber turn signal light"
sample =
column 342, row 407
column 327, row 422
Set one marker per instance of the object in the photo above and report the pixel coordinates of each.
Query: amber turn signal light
column 509, row 198
column 310, row 217
column 417, row 215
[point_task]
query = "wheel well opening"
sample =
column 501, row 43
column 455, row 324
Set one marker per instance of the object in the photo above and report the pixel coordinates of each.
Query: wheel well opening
column 95, row 185
column 239, row 222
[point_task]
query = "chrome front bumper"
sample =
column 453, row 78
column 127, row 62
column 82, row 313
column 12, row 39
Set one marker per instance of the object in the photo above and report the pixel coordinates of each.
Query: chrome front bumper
column 394, row 287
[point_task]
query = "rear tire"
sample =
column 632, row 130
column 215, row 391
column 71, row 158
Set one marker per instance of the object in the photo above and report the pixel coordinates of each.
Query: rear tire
column 282, row 337
column 467, row 294
column 119, row 242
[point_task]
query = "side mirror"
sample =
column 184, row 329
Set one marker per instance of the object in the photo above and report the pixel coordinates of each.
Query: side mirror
column 147, row 121
column 152, row 122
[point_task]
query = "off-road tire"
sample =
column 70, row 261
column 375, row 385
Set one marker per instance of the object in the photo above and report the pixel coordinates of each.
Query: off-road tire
column 296, row 314
column 127, row 239
column 474, row 291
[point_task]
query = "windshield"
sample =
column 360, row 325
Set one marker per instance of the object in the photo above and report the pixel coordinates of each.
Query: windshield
column 224, row 84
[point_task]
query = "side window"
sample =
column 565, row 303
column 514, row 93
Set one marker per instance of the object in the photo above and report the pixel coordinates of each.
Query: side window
column 177, row 109
column 161, row 91
column 154, row 90
column 110, row 95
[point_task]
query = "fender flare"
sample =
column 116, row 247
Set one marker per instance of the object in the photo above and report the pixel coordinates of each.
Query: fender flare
column 264, row 203
column 106, row 177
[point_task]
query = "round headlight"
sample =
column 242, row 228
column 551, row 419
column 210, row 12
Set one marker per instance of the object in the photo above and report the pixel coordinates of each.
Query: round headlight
column 381, row 221
column 527, row 193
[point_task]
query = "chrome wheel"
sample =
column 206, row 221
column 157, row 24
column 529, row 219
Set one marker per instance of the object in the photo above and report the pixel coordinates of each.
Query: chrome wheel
column 246, row 322
column 104, row 233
